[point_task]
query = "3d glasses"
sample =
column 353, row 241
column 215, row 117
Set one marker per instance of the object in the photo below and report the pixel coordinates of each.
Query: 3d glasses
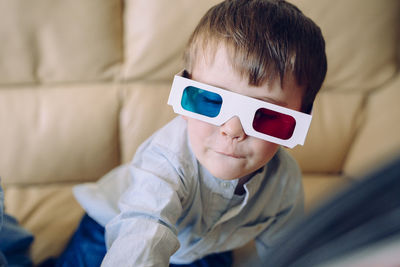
column 260, row 119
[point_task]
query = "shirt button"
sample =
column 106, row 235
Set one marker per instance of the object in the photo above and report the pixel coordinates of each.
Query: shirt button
column 226, row 185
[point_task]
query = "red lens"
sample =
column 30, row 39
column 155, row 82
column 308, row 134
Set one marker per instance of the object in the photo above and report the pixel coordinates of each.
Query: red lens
column 274, row 123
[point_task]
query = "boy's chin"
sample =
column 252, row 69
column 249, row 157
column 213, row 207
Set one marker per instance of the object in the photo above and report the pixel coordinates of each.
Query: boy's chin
column 226, row 173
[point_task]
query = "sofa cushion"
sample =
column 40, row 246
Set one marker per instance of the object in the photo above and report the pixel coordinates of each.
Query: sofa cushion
column 144, row 110
column 362, row 40
column 336, row 118
column 379, row 138
column 59, row 133
column 60, row 41
column 155, row 34
column 319, row 188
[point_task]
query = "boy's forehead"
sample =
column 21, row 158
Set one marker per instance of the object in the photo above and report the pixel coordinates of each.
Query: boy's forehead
column 217, row 56
column 205, row 53
column 215, row 68
column 225, row 57
column 238, row 58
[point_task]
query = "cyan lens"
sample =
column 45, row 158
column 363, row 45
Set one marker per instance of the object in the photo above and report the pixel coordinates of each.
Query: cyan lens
column 201, row 101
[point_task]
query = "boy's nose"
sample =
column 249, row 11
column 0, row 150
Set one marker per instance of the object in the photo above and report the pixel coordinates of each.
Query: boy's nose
column 233, row 129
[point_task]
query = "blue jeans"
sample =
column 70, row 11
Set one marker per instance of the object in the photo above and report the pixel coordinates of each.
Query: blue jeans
column 87, row 248
column 15, row 242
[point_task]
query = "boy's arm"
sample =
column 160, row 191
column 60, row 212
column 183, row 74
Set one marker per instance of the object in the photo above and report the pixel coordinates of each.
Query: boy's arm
column 139, row 242
column 143, row 234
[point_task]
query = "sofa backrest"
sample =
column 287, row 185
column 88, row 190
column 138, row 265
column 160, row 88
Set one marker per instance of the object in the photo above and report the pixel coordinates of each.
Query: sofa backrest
column 362, row 45
column 83, row 83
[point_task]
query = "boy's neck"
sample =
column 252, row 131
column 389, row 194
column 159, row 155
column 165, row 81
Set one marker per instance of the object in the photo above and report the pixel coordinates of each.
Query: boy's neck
column 239, row 190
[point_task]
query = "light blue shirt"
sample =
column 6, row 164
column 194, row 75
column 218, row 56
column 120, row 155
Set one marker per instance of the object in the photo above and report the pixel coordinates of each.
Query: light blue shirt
column 165, row 207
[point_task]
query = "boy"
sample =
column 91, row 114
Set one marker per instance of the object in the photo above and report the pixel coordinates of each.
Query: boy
column 214, row 178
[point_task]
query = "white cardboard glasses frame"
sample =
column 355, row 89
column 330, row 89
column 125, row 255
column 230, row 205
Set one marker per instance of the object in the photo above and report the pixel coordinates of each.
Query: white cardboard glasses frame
column 245, row 111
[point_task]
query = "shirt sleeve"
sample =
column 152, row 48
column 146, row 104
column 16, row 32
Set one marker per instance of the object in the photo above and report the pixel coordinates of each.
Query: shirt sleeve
column 144, row 233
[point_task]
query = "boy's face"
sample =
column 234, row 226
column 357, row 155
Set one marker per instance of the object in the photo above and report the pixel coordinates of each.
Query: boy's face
column 226, row 151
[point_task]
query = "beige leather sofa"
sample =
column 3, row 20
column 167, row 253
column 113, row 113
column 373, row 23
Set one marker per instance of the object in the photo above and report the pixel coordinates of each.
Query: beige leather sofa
column 84, row 82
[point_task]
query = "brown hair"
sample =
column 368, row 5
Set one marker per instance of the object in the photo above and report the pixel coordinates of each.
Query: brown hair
column 267, row 39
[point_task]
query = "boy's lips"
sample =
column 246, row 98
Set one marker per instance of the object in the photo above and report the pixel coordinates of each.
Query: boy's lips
column 229, row 154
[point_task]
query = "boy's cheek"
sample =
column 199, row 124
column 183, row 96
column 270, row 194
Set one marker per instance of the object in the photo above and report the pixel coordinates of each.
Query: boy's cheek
column 264, row 147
